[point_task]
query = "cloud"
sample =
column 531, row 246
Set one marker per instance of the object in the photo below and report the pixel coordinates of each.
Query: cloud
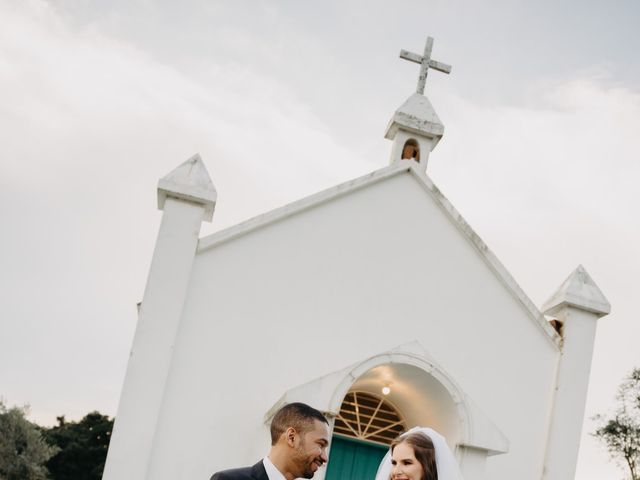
column 88, row 124
column 571, row 155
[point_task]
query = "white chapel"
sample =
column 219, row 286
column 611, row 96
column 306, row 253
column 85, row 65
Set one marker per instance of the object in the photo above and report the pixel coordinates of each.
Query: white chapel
column 372, row 301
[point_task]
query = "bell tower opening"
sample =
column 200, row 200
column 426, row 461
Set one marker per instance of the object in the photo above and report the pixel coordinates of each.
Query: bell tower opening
column 411, row 150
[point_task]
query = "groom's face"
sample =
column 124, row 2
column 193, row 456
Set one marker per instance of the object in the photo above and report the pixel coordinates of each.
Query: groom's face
column 311, row 450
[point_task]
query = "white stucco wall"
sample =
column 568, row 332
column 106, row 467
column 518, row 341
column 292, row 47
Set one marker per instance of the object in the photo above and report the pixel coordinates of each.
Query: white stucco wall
column 320, row 290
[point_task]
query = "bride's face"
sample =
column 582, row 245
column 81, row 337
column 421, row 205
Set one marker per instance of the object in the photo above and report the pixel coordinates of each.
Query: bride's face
column 404, row 465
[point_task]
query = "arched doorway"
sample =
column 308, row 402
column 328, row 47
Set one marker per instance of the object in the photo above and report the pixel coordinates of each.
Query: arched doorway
column 363, row 430
column 421, row 391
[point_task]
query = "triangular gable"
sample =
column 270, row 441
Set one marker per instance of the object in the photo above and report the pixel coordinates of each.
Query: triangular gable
column 411, row 168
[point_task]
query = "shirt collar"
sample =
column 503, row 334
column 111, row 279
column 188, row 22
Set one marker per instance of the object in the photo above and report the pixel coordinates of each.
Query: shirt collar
column 272, row 472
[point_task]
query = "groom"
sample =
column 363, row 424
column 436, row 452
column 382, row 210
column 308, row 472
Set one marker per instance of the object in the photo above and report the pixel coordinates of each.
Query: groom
column 299, row 441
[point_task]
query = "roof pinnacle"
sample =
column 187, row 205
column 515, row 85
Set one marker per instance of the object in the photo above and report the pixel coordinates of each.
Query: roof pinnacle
column 189, row 181
column 578, row 291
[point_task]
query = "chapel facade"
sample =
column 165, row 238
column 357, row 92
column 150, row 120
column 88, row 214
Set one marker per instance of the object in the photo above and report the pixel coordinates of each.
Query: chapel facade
column 402, row 318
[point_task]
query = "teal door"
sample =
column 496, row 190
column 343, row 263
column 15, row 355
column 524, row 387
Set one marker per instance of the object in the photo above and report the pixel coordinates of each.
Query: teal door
column 352, row 459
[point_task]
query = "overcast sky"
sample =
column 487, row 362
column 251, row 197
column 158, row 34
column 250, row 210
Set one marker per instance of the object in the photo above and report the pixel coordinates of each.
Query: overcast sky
column 99, row 99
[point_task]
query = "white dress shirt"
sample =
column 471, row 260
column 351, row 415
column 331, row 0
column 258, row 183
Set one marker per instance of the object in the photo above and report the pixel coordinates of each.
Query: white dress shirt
column 272, row 472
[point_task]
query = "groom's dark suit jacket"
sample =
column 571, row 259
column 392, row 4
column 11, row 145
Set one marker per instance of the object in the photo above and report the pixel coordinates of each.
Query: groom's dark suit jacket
column 257, row 472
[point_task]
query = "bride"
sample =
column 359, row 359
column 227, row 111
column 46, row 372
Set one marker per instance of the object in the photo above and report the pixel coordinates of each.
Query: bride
column 419, row 454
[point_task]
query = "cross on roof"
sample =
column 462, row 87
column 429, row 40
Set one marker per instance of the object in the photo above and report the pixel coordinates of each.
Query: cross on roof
column 425, row 63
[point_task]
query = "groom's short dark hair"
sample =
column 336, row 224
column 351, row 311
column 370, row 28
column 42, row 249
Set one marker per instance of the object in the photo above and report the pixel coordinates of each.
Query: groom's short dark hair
column 298, row 415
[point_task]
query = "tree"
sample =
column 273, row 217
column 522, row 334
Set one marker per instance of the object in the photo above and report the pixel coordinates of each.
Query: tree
column 621, row 433
column 83, row 447
column 23, row 450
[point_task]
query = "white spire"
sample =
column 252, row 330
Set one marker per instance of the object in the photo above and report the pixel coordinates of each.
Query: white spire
column 415, row 128
column 190, row 181
column 577, row 304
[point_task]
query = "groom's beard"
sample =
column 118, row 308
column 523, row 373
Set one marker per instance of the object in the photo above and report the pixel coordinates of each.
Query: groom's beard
column 310, row 469
column 308, row 465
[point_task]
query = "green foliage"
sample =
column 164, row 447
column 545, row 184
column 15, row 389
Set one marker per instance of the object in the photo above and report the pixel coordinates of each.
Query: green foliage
column 23, row 450
column 621, row 433
column 83, row 447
